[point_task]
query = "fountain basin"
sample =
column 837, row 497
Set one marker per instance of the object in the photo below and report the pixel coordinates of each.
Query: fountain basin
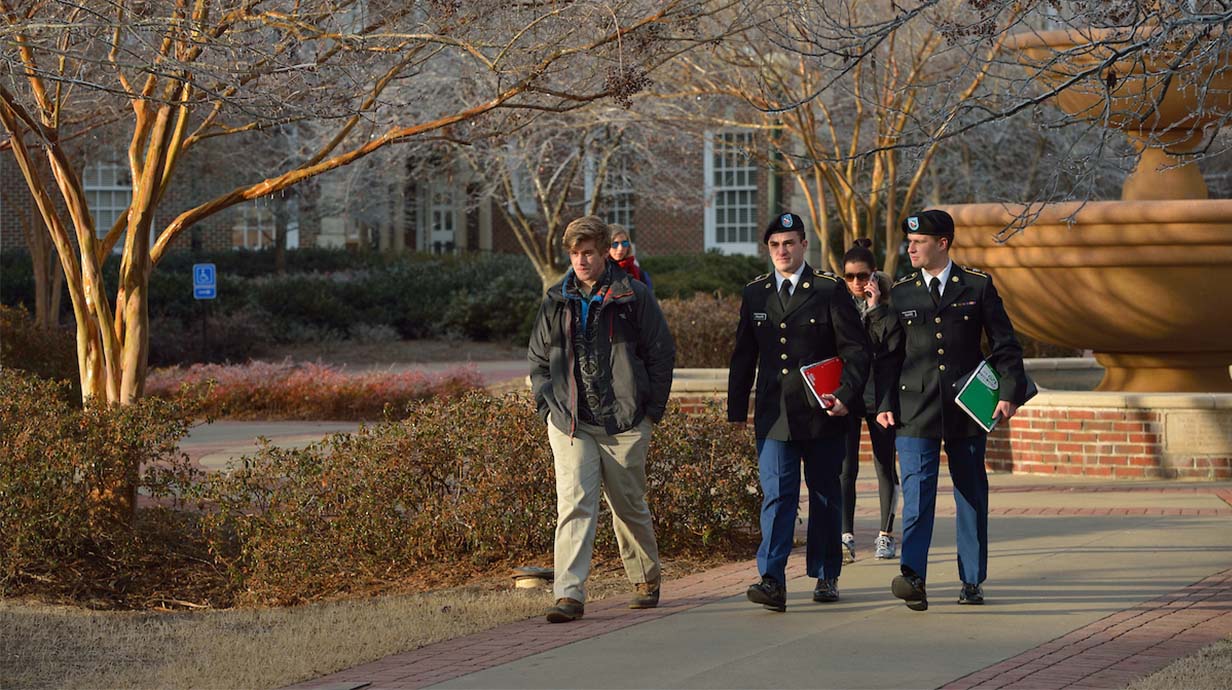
column 1146, row 285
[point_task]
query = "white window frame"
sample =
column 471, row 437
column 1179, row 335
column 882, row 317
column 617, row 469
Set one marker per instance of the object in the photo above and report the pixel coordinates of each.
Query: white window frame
column 745, row 182
column 439, row 203
column 617, row 189
column 104, row 180
column 255, row 224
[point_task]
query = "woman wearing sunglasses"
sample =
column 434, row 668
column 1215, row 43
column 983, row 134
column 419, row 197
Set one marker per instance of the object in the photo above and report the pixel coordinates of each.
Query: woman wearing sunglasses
column 622, row 253
column 871, row 291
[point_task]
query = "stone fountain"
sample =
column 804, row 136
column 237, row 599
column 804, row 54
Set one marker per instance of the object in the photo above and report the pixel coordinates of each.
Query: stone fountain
column 1145, row 282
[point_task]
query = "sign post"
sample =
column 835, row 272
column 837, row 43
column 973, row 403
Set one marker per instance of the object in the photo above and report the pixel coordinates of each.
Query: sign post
column 205, row 287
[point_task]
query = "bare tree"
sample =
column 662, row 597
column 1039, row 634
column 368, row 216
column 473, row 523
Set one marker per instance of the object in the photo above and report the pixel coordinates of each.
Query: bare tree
column 856, row 100
column 179, row 76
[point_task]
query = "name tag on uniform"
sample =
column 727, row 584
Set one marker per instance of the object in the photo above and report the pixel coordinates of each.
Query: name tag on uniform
column 759, row 316
column 909, row 314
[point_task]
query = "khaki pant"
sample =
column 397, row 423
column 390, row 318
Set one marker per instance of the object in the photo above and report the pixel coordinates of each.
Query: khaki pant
column 617, row 464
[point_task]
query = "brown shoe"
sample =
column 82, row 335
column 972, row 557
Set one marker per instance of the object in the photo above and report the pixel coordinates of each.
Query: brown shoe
column 647, row 596
column 565, row 610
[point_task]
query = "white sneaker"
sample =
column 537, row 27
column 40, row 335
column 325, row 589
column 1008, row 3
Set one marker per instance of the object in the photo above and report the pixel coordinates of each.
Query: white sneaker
column 849, row 548
column 885, row 547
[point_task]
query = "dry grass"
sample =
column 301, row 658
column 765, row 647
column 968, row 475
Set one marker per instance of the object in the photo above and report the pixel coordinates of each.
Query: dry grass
column 43, row 646
column 1209, row 669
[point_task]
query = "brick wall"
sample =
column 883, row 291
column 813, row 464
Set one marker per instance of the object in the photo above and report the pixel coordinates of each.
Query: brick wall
column 1115, row 443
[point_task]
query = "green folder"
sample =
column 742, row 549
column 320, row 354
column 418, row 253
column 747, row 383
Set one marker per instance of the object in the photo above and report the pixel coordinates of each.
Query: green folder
column 979, row 394
column 978, row 397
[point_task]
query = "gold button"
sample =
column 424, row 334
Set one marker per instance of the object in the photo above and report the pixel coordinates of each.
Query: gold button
column 783, row 356
column 812, row 320
column 784, row 372
column 966, row 318
column 953, row 279
column 918, row 283
column 904, row 386
column 942, row 367
column 908, row 322
column 941, row 350
column 804, row 285
column 938, row 336
column 783, row 340
column 937, row 320
column 767, row 285
column 782, row 325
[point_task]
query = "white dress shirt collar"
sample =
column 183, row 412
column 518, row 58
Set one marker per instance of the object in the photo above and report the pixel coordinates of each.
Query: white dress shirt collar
column 944, row 277
column 795, row 279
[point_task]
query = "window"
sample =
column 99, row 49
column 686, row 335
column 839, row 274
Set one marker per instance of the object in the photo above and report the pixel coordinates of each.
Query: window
column 442, row 218
column 109, row 190
column 254, row 228
column 617, row 202
column 616, row 198
column 731, row 193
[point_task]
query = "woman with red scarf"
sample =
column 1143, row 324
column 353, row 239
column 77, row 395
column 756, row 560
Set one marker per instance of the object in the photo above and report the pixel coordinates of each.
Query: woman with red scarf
column 622, row 253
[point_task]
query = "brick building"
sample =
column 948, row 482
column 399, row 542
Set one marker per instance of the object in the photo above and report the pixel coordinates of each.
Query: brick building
column 729, row 196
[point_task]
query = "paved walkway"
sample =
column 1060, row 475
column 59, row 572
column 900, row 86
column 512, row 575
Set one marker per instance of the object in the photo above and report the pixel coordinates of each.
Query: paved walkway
column 1092, row 585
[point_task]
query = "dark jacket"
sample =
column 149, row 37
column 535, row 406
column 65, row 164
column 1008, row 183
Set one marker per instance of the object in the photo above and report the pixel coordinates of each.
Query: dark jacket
column 819, row 322
column 633, row 354
column 930, row 349
column 877, row 324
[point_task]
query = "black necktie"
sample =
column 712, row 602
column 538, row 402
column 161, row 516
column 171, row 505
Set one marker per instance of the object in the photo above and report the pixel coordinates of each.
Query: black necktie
column 934, row 291
column 785, row 293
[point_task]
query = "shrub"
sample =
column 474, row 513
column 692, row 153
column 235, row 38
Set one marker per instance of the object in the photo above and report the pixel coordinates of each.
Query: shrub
column 55, row 460
column 50, row 353
column 704, row 327
column 228, row 337
column 375, row 505
column 260, row 390
column 683, row 275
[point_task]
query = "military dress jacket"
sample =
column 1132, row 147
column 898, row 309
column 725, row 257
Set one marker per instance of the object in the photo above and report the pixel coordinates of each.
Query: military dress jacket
column 773, row 342
column 930, row 350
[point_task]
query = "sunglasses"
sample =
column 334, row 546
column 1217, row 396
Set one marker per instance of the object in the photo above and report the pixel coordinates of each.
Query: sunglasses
column 862, row 275
column 621, row 243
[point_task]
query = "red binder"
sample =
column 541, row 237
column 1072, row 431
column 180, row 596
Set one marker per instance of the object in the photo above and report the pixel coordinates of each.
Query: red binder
column 822, row 378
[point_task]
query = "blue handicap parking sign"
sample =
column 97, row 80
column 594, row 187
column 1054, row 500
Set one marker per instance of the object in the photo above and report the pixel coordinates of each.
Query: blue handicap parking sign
column 205, row 281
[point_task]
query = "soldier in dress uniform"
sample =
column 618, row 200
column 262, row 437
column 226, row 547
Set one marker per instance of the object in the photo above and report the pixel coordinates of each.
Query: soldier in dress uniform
column 941, row 310
column 790, row 318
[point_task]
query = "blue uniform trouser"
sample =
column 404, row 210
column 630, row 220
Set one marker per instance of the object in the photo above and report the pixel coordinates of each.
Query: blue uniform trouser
column 919, row 460
column 778, row 465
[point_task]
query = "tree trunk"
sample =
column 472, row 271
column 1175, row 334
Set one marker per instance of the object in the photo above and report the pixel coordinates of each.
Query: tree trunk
column 281, row 216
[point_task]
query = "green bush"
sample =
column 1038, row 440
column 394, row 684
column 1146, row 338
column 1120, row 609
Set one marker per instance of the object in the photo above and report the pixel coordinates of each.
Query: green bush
column 50, row 353
column 704, row 327
column 337, row 295
column 683, row 275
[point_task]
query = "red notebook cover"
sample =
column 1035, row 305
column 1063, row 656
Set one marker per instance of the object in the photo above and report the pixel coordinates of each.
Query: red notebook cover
column 822, row 378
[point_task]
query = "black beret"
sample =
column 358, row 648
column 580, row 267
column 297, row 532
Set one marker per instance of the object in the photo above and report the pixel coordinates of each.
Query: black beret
column 787, row 222
column 932, row 222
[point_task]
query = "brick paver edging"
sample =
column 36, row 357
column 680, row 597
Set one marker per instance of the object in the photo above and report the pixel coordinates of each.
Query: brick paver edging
column 1114, row 651
column 439, row 662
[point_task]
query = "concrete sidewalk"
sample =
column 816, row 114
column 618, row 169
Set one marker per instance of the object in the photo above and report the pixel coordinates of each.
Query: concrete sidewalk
column 1091, row 585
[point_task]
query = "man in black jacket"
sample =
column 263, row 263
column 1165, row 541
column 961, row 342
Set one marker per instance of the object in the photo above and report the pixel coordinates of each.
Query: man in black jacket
column 601, row 362
column 940, row 312
column 790, row 318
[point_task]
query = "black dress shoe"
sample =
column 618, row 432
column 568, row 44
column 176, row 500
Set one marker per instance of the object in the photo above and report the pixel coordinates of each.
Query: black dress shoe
column 826, row 591
column 910, row 588
column 971, row 594
column 769, row 593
